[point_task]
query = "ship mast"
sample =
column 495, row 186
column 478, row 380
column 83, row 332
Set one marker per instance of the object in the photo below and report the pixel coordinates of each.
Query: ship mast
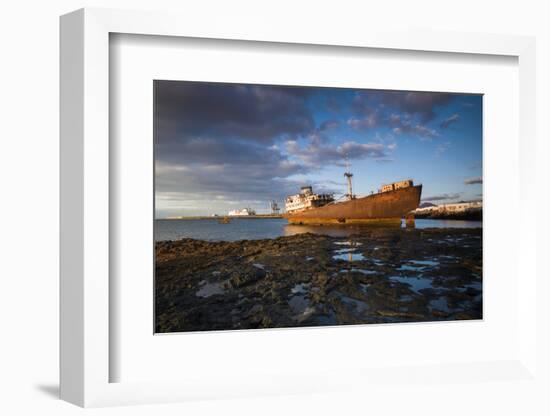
column 348, row 176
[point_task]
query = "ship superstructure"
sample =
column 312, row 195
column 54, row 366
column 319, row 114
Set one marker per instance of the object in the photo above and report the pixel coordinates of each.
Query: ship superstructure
column 306, row 199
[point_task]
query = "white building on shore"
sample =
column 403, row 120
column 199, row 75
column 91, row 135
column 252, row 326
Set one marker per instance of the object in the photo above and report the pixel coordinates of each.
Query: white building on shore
column 241, row 212
column 452, row 208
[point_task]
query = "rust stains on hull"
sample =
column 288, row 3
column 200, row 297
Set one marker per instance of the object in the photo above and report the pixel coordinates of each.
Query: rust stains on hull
column 382, row 208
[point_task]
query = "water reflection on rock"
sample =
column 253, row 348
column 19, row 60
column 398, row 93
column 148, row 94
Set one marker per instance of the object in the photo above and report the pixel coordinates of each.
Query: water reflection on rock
column 347, row 255
column 417, row 283
column 209, row 289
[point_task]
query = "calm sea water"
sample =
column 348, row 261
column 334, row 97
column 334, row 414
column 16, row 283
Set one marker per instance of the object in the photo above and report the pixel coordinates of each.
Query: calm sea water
column 257, row 229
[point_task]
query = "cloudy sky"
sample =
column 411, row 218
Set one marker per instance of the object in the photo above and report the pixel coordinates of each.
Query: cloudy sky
column 225, row 146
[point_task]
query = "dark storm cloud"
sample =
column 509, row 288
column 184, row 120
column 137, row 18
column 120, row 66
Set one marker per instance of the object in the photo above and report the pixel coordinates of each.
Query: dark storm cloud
column 445, row 124
column 364, row 103
column 406, row 125
column 220, row 167
column 214, row 143
column 214, row 151
column 441, row 197
column 364, row 106
column 403, row 112
column 473, row 181
column 366, row 122
column 322, row 133
column 256, row 113
column 329, row 125
column 241, row 182
column 202, row 189
column 316, row 154
column 422, row 104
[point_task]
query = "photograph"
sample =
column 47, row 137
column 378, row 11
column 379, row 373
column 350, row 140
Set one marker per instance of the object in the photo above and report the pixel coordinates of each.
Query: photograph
column 280, row 206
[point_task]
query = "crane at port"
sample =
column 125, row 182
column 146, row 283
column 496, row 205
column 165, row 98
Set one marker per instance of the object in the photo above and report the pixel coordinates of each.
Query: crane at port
column 274, row 208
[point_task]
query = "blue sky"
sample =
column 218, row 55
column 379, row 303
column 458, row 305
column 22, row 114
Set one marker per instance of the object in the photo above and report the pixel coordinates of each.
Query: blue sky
column 224, row 146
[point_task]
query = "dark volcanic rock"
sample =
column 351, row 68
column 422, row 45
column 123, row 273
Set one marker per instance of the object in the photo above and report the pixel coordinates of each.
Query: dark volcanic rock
column 246, row 277
column 378, row 275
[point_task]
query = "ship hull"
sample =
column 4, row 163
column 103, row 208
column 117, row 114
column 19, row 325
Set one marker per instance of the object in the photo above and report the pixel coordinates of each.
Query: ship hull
column 381, row 208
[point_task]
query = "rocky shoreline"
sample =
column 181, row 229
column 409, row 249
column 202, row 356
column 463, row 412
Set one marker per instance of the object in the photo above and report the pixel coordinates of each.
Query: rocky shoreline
column 376, row 276
column 470, row 215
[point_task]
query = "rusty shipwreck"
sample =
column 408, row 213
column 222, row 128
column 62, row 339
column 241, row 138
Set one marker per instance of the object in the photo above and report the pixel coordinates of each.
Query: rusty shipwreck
column 389, row 205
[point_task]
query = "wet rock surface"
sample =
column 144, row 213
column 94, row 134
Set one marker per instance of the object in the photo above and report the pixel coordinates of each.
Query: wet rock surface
column 375, row 276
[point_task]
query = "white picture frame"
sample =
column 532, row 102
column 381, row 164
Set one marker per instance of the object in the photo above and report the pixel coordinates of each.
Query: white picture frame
column 85, row 212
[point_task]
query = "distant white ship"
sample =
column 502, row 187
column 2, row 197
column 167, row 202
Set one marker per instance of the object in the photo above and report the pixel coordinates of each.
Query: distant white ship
column 241, row 212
